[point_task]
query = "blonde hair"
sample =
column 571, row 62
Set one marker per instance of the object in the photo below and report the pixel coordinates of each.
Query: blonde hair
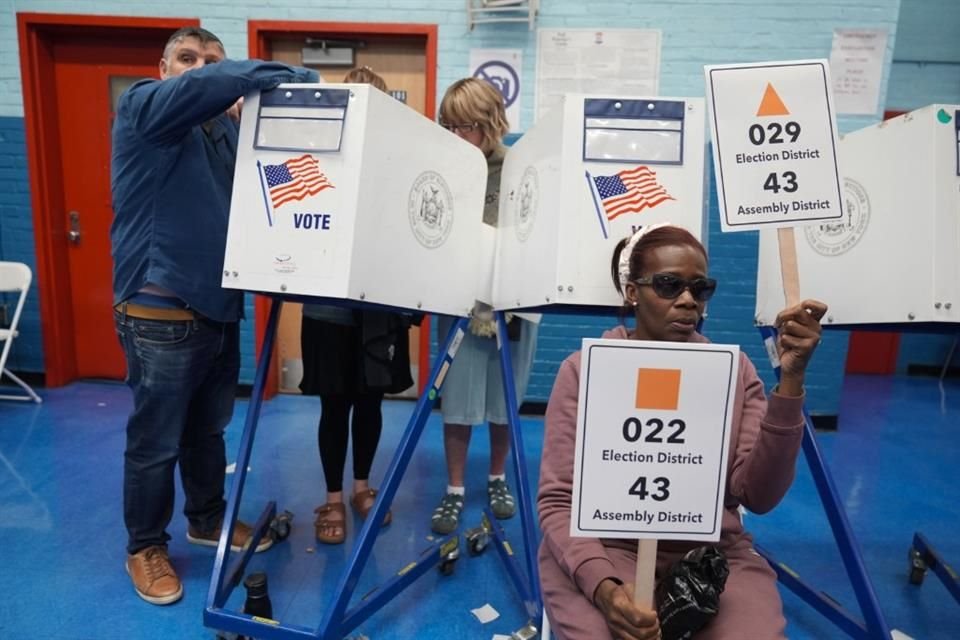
column 471, row 100
column 365, row 75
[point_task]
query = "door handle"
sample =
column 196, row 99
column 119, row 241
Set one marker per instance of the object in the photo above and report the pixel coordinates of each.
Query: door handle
column 74, row 234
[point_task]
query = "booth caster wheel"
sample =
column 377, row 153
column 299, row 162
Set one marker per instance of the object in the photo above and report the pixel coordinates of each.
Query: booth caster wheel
column 280, row 526
column 449, row 553
column 918, row 568
column 477, row 540
column 529, row 632
column 447, row 567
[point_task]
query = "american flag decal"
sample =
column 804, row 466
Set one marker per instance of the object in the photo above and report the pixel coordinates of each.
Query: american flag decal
column 294, row 180
column 630, row 191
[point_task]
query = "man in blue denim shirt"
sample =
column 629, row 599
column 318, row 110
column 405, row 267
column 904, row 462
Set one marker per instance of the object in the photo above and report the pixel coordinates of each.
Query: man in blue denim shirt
column 174, row 150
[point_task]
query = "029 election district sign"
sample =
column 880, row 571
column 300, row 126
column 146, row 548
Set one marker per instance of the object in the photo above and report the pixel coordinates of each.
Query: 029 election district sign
column 653, row 428
column 774, row 144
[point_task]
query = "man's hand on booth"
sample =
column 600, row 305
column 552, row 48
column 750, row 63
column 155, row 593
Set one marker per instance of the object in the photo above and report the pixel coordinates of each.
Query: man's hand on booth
column 234, row 111
column 483, row 322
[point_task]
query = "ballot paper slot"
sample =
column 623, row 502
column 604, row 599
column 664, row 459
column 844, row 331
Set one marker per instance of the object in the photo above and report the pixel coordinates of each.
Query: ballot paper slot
column 635, row 131
column 296, row 113
column 301, row 119
column 623, row 123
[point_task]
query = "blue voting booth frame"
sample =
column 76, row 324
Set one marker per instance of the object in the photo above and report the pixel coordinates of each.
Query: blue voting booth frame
column 873, row 626
column 922, row 557
column 340, row 618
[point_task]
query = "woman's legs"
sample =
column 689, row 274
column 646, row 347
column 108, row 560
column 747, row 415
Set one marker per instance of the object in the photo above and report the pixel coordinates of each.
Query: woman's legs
column 366, row 428
column 332, row 434
column 750, row 604
column 499, row 448
column 332, row 438
column 456, row 442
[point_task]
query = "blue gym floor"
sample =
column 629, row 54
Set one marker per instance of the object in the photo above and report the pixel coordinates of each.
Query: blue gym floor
column 894, row 461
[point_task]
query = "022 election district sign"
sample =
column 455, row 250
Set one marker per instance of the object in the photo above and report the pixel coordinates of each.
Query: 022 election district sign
column 653, row 429
column 774, row 144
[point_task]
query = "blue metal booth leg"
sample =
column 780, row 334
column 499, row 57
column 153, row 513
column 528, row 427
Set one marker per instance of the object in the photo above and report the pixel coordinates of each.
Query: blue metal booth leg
column 528, row 581
column 339, row 618
column 874, row 626
column 922, row 557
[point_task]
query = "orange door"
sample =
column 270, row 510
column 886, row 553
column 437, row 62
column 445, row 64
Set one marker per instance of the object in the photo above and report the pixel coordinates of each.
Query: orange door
column 89, row 77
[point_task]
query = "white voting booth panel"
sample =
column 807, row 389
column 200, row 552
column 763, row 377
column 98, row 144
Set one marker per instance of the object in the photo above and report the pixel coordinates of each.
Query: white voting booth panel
column 895, row 257
column 341, row 191
column 584, row 176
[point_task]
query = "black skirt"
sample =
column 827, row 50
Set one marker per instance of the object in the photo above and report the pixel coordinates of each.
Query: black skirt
column 342, row 359
column 332, row 358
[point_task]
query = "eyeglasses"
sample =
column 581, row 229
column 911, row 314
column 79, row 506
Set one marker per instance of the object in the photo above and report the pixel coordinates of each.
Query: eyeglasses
column 460, row 128
column 670, row 286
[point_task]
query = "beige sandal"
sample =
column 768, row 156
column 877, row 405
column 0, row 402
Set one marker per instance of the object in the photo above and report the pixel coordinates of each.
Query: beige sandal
column 331, row 523
column 363, row 503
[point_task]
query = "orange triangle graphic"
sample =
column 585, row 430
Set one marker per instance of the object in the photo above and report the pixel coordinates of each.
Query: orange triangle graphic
column 772, row 105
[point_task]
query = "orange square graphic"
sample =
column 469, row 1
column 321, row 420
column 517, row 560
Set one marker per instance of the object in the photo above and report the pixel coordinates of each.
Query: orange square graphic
column 658, row 388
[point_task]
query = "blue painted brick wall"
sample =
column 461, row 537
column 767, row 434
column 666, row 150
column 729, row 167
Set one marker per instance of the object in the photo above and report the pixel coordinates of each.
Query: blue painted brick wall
column 695, row 32
column 926, row 58
column 917, row 84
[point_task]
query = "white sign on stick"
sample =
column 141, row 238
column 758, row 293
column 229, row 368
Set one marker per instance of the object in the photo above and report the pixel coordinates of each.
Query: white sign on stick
column 774, row 144
column 653, row 429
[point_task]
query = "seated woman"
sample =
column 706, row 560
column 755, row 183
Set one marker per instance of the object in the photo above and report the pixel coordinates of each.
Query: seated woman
column 661, row 272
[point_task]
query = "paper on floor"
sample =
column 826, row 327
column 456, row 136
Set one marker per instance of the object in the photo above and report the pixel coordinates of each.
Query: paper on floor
column 485, row 614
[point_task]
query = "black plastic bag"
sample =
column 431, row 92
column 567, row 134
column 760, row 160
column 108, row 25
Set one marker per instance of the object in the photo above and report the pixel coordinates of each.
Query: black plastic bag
column 688, row 596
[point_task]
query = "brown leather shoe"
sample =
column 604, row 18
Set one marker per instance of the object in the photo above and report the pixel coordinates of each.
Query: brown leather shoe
column 153, row 576
column 241, row 537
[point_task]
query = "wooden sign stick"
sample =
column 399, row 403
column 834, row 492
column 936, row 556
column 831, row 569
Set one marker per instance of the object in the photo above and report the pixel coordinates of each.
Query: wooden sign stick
column 646, row 574
column 788, row 265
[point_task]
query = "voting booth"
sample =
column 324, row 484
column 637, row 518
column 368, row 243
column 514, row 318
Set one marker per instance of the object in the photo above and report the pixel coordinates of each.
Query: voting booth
column 895, row 255
column 341, row 191
column 587, row 174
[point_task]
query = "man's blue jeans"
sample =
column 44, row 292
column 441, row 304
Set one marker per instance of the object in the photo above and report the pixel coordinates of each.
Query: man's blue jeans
column 184, row 378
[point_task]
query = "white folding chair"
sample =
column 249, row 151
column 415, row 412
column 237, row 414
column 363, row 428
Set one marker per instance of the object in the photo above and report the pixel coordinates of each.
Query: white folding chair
column 15, row 277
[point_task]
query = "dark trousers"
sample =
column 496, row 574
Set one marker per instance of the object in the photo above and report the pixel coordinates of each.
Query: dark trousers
column 184, row 377
column 334, row 431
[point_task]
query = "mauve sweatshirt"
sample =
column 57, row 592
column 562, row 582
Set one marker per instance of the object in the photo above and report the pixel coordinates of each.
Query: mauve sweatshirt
column 764, row 443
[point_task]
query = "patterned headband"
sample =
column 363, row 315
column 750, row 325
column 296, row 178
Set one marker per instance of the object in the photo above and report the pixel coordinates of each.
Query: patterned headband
column 623, row 269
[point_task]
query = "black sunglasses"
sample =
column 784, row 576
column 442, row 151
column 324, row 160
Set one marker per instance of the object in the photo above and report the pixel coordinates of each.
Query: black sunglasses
column 670, row 286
